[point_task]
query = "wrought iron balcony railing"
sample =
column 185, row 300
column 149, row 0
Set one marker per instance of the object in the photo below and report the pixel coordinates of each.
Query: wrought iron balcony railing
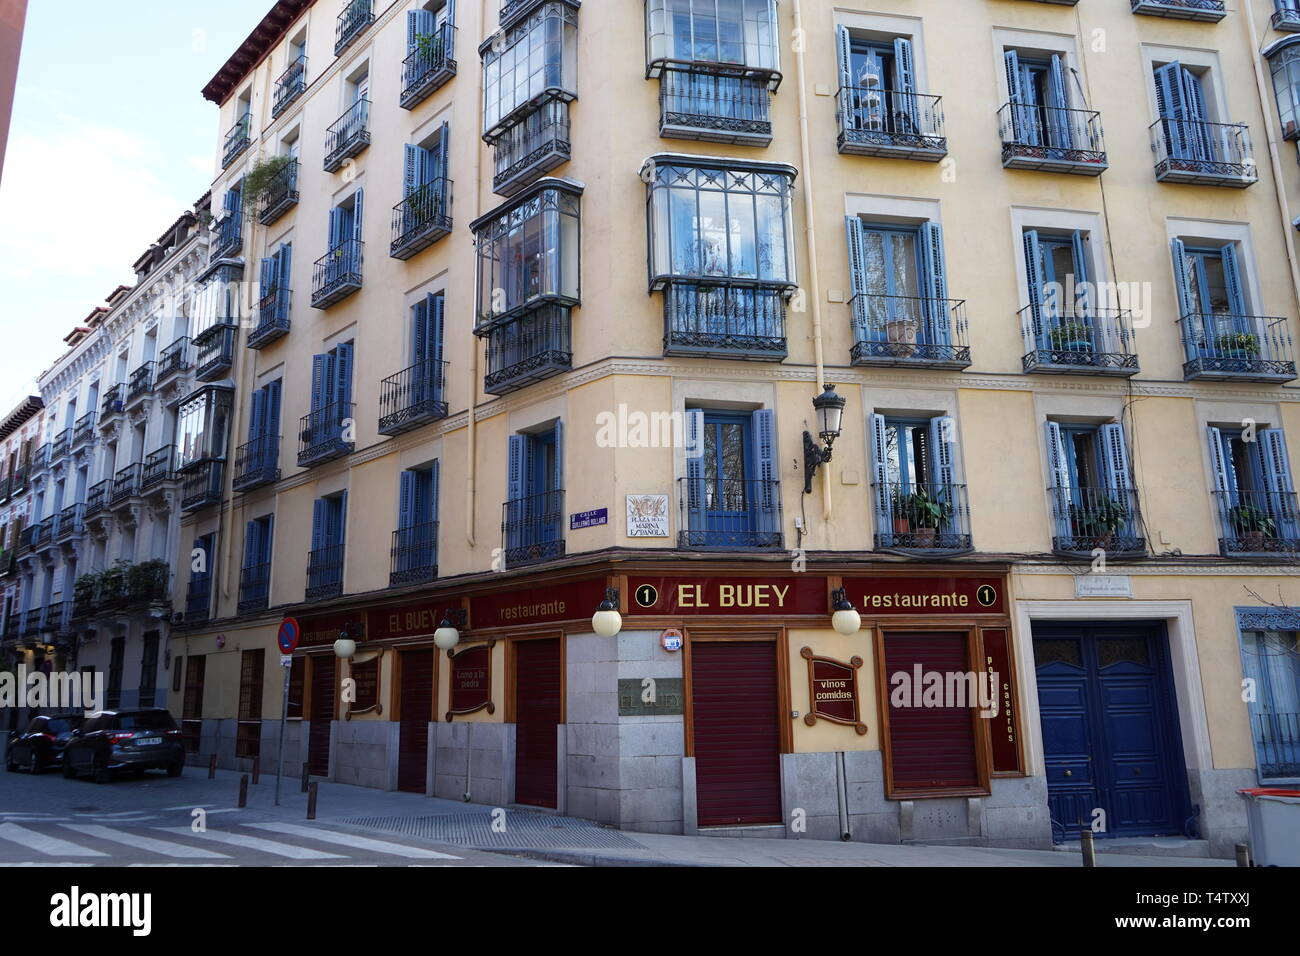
column 876, row 122
column 290, row 85
column 324, row 573
column 916, row 517
column 532, row 147
column 70, row 522
column 529, row 349
column 917, row 331
column 413, row 397
column 1286, row 19
column 281, row 193
column 238, row 139
column 714, row 103
column 1052, row 139
column 201, row 483
column 1245, row 348
column 325, row 434
column 421, row 219
column 1088, row 341
column 357, row 15
column 254, row 587
column 140, row 383
column 214, row 350
column 126, row 483
column 229, row 236
column 347, row 136
column 1210, row 11
column 429, row 66
column 1277, row 745
column 533, row 528
column 41, row 458
column 60, row 445
column 112, row 403
column 1205, row 154
column 19, row 478
column 415, row 555
column 735, row 321
column 159, row 467
column 5, row 484
column 337, row 274
column 1258, row 522
column 97, row 497
column 198, row 598
column 729, row 513
column 44, row 536
column 173, row 360
column 257, row 463
column 272, row 318
column 27, row 538
column 84, row 430
column 1090, row 518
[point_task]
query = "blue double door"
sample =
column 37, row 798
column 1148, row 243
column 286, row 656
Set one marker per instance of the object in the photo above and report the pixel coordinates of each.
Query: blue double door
column 1111, row 741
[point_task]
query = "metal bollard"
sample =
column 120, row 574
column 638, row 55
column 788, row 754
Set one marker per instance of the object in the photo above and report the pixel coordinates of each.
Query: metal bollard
column 1089, row 850
column 306, row 775
column 1243, row 855
column 243, row 791
column 311, row 800
column 257, row 770
column 212, row 767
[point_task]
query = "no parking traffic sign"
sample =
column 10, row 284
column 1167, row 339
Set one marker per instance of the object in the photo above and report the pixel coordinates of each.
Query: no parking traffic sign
column 289, row 634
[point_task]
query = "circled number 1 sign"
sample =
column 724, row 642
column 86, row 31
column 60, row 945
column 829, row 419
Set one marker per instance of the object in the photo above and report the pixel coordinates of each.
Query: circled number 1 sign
column 288, row 636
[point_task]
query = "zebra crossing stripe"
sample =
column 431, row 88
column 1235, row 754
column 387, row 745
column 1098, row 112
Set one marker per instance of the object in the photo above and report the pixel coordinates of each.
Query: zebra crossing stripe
column 256, row 843
column 163, row 847
column 353, row 841
column 43, row 843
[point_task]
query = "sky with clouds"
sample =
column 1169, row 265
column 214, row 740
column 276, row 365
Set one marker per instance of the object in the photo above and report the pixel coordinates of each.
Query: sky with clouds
column 110, row 141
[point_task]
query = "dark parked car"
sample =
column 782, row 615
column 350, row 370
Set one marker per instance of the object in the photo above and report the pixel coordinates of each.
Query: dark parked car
column 41, row 744
column 113, row 740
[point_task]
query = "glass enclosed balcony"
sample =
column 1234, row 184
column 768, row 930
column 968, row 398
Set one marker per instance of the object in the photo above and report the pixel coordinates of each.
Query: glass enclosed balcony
column 421, row 219
column 337, row 274
column 876, row 122
column 324, row 573
column 725, row 320
column 1244, row 348
column 430, row 64
column 1089, row 341
column 916, row 331
column 729, row 513
column 531, row 148
column 348, row 136
column 414, row 555
column 1203, row 154
column 715, row 103
column 1087, row 519
column 533, row 528
column 1052, row 139
column 238, row 139
column 1210, row 11
column 281, row 193
column 356, row 17
column 413, row 397
column 290, row 85
column 325, row 434
column 257, row 463
column 924, row 518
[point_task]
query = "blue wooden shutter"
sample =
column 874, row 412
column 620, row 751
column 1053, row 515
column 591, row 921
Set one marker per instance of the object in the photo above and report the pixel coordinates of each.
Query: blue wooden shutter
column 252, row 546
column 341, row 522
column 357, row 217
column 942, row 439
column 1275, row 466
column 905, row 83
column 1232, row 278
column 318, row 524
column 284, row 265
column 1115, row 465
column 1060, row 478
column 1182, row 279
column 420, row 332
column 1058, row 96
column 936, row 279
column 1022, row 122
column 437, row 314
column 516, row 488
column 418, row 23
column 695, row 491
column 413, row 169
column 338, row 219
column 883, row 494
column 767, row 495
column 1034, row 284
column 268, row 538
column 557, row 478
column 441, row 155
column 257, row 415
column 1171, row 106
column 272, row 421
column 848, row 93
column 1197, row 132
column 1082, row 298
column 406, row 500
column 266, row 276
column 431, row 513
column 857, row 273
column 343, row 375
column 321, row 381
column 1225, row 479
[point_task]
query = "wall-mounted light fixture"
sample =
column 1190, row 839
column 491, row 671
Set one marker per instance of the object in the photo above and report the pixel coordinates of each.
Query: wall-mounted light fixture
column 447, row 636
column 607, row 622
column 346, row 646
column 844, row 617
column 830, row 418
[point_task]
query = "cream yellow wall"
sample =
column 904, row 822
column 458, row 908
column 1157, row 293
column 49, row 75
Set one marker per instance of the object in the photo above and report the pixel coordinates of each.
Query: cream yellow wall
column 827, row 736
column 999, row 437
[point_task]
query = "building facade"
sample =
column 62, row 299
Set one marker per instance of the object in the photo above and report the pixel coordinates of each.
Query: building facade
column 519, row 302
column 21, row 430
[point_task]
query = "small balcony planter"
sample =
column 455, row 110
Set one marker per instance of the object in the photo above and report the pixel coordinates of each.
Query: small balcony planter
column 1071, row 337
column 1099, row 522
column 1238, row 345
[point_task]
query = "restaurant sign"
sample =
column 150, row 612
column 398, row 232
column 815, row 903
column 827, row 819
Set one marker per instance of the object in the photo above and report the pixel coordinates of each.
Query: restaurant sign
column 886, row 595
column 471, row 680
column 796, row 594
column 566, row 601
column 324, row 629
column 832, row 690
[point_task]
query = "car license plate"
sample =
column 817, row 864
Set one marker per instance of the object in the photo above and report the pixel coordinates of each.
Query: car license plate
column 146, row 741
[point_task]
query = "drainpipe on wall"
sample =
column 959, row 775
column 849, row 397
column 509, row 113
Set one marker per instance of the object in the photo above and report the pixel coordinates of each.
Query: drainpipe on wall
column 810, row 239
column 471, row 438
column 1279, row 188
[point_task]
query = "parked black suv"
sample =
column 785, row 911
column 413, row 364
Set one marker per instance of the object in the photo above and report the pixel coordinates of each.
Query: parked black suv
column 113, row 740
column 41, row 744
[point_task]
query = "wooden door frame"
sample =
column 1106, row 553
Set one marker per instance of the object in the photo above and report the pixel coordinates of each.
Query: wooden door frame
column 512, row 671
column 395, row 691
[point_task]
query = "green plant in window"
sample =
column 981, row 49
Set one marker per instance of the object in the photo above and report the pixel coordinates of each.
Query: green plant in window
column 429, row 46
column 1070, row 337
column 1238, row 344
column 259, row 179
column 1247, row 520
column 1098, row 519
column 927, row 510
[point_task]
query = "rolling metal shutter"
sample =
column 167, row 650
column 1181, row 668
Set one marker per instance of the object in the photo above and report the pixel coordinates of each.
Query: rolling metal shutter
column 322, row 714
column 737, row 738
column 416, row 712
column 537, row 715
column 929, row 747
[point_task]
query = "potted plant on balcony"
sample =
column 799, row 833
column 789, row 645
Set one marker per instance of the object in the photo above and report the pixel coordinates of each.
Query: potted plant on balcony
column 926, row 512
column 147, row 581
column 901, row 333
column 258, row 180
column 113, row 585
column 1239, row 345
column 898, row 508
column 1070, row 337
column 1252, row 526
column 429, row 46
column 85, row 594
column 1097, row 523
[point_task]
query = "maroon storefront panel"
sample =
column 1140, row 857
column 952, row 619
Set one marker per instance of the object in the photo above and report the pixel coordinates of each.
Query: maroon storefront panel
column 565, row 601
column 409, row 620
column 537, row 717
column 416, row 712
column 930, row 747
column 924, row 596
column 471, row 679
column 750, row 596
column 322, row 713
column 1002, row 729
column 324, row 629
